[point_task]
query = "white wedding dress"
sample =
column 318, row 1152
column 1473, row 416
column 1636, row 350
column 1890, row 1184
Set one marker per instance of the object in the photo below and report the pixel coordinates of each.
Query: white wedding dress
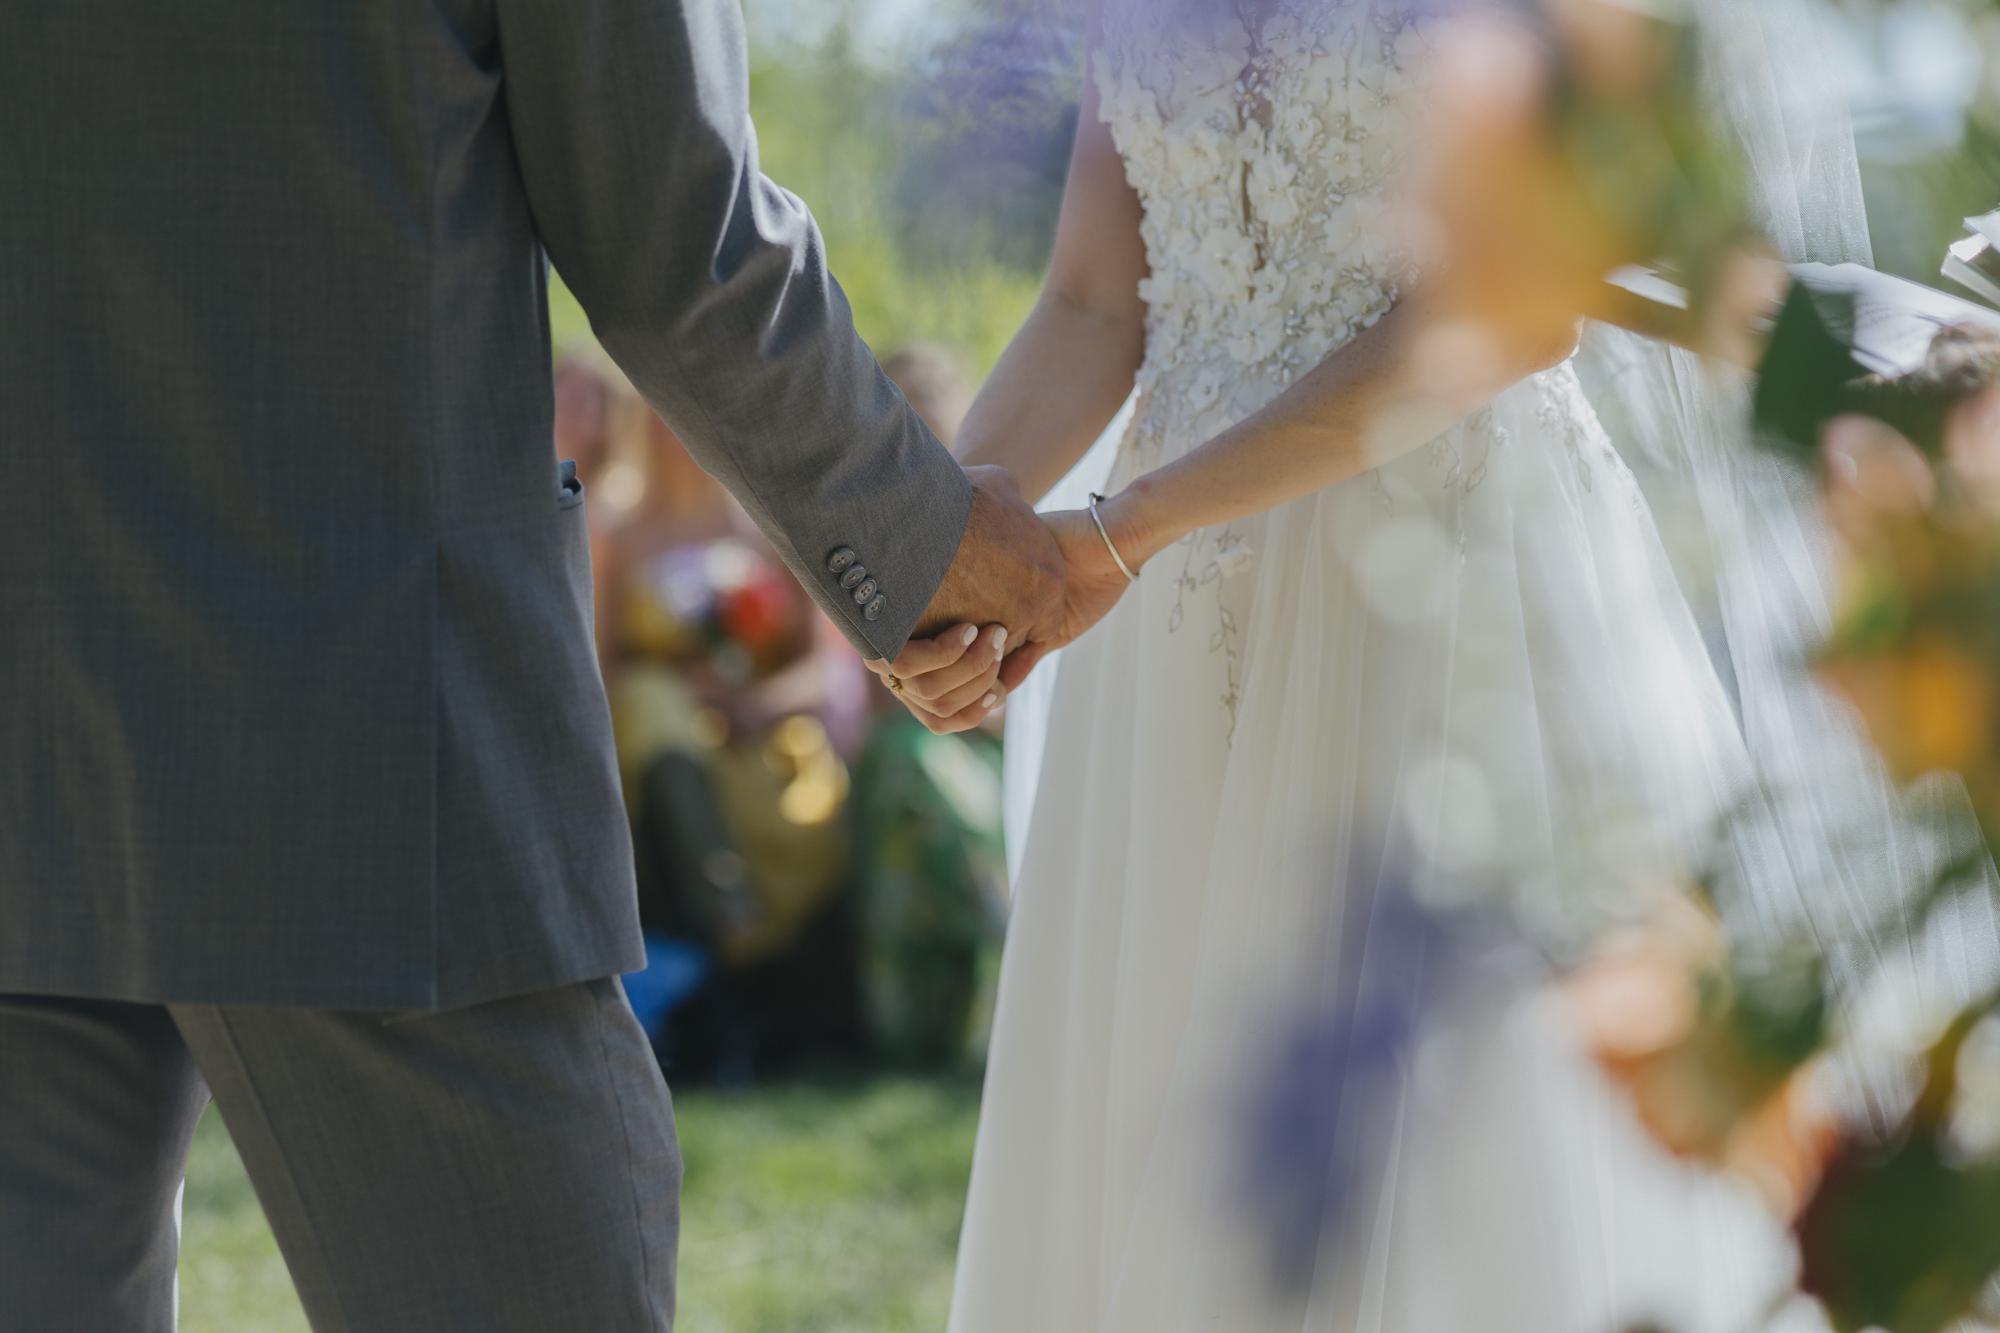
column 1477, row 657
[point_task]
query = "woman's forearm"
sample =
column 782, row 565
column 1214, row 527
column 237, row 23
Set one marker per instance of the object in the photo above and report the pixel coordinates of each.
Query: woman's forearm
column 1396, row 386
column 1071, row 366
column 1062, row 379
column 1358, row 408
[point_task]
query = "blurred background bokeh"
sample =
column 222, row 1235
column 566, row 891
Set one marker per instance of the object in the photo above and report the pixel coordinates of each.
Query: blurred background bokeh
column 823, row 880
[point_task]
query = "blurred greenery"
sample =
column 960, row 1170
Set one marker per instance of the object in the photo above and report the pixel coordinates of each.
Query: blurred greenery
column 933, row 164
column 231, row 1276
column 1917, row 207
column 828, row 1208
column 810, row 1207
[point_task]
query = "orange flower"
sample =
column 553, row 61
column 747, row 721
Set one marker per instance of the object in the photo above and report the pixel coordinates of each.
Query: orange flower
column 1659, row 1013
column 1927, row 704
column 1783, row 1148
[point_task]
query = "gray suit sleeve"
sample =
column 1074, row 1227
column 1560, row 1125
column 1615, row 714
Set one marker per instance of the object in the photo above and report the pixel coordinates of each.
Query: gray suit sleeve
column 708, row 285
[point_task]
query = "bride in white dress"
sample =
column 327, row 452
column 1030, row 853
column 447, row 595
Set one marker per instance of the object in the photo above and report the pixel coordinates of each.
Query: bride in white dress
column 1475, row 655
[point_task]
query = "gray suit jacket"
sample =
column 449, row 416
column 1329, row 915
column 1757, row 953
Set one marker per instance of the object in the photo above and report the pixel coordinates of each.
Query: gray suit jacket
column 297, row 696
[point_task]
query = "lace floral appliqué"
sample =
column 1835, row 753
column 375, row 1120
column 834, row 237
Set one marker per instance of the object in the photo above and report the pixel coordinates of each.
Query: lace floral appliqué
column 1262, row 143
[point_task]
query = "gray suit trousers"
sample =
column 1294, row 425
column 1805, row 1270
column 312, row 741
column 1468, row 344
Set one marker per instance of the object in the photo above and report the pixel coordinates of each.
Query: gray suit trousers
column 507, row 1166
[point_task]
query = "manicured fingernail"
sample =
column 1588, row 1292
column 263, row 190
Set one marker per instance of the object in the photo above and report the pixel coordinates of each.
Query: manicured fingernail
column 971, row 633
column 989, row 701
column 1000, row 641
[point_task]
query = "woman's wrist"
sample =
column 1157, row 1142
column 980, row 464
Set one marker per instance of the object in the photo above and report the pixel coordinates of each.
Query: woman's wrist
column 1131, row 521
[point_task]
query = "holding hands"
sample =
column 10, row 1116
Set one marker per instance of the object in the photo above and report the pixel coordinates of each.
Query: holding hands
column 1096, row 578
column 951, row 682
column 954, row 681
column 1008, row 577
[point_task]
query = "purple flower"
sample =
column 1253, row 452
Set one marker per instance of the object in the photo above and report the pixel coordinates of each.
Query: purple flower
column 1323, row 1113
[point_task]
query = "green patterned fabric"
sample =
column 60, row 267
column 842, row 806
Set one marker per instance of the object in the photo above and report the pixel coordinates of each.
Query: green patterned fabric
column 931, row 877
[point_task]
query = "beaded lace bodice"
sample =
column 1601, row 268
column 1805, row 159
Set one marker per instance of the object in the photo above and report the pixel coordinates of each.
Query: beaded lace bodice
column 1266, row 140
column 1263, row 140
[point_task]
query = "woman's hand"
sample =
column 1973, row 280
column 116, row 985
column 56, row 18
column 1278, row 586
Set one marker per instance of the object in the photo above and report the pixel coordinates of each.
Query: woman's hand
column 952, row 682
column 1095, row 582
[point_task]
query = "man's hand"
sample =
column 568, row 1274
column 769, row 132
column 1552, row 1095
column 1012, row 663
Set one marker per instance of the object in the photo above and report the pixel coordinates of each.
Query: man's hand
column 1007, row 571
column 953, row 681
column 1008, row 576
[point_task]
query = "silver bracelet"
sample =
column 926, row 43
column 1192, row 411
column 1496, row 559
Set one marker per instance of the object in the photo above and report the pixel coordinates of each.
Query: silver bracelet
column 1098, row 519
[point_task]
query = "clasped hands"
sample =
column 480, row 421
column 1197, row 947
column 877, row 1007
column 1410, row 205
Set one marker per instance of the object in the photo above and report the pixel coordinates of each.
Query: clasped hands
column 1022, row 585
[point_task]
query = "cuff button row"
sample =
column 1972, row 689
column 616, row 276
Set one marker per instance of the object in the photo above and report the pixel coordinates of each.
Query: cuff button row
column 854, row 578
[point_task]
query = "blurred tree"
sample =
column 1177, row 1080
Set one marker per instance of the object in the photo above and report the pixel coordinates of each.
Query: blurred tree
column 987, row 125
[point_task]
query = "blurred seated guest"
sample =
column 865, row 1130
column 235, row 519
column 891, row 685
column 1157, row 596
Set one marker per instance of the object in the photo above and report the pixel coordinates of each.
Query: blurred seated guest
column 589, row 395
column 585, row 395
column 935, row 383
column 931, row 883
column 733, row 703
column 929, row 870
column 727, row 688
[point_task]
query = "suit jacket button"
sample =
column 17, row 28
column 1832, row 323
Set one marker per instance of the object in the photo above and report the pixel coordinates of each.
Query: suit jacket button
column 852, row 578
column 873, row 610
column 864, row 592
column 842, row 557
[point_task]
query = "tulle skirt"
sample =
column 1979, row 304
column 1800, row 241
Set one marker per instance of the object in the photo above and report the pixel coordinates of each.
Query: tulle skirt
column 1475, row 663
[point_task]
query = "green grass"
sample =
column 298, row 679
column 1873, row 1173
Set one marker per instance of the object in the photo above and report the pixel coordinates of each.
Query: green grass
column 231, row 1276
column 824, row 1208
column 812, row 1207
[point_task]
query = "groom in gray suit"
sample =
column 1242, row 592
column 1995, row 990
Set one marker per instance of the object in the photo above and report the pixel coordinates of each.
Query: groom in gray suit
column 307, row 797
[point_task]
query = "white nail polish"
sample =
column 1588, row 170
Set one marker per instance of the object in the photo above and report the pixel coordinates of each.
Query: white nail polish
column 971, row 633
column 988, row 702
column 1000, row 641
